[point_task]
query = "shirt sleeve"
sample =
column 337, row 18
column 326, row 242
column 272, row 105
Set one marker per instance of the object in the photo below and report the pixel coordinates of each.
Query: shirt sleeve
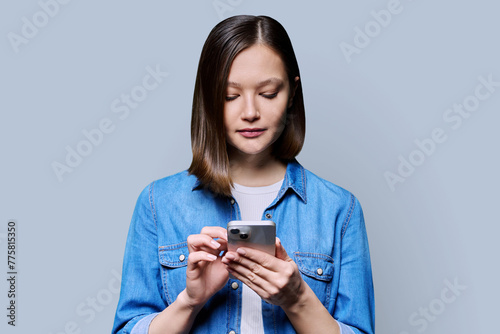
column 344, row 329
column 141, row 290
column 142, row 326
column 355, row 304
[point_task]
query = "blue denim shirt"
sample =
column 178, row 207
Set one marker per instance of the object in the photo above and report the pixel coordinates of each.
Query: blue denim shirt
column 320, row 225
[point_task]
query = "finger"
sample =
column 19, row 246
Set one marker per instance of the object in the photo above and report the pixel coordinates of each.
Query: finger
column 281, row 252
column 202, row 242
column 254, row 282
column 218, row 233
column 261, row 258
column 234, row 260
column 273, row 287
column 243, row 273
column 215, row 232
column 223, row 244
column 252, row 271
column 197, row 257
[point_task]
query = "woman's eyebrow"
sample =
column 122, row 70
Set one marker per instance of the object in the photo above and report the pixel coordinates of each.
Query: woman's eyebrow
column 270, row 81
column 262, row 83
column 233, row 84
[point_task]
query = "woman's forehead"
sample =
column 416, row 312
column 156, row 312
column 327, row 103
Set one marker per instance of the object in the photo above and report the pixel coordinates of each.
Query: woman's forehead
column 258, row 65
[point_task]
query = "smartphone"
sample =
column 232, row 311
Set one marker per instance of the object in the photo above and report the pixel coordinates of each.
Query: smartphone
column 259, row 235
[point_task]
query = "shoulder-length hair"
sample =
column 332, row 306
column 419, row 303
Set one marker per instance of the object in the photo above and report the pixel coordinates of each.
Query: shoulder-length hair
column 208, row 136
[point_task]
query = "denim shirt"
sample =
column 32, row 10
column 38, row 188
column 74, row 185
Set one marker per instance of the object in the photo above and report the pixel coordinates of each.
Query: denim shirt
column 320, row 225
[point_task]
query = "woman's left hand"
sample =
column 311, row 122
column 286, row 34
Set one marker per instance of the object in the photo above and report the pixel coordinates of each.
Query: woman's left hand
column 276, row 279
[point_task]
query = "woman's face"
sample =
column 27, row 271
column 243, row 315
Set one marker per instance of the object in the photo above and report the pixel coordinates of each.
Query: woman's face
column 258, row 95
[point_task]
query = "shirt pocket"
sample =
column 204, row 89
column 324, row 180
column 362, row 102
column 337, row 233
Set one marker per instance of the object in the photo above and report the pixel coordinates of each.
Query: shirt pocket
column 317, row 271
column 173, row 260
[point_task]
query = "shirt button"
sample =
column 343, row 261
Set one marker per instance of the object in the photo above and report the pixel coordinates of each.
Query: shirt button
column 232, row 200
column 319, row 271
column 182, row 257
column 235, row 285
column 232, row 332
column 269, row 216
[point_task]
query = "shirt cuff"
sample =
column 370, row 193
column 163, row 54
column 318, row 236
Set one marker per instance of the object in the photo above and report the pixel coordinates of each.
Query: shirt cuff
column 344, row 329
column 142, row 326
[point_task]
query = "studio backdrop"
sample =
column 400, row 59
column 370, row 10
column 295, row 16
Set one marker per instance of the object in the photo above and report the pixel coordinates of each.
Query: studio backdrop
column 402, row 103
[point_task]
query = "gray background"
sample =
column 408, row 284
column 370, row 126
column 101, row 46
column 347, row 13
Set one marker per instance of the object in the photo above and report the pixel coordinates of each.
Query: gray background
column 438, row 226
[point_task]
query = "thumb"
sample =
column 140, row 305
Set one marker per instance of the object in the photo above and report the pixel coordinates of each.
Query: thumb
column 281, row 252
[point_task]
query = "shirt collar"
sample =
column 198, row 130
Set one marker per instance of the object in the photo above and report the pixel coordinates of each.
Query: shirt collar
column 197, row 185
column 295, row 179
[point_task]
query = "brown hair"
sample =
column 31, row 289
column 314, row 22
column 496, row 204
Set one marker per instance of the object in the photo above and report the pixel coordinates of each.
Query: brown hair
column 208, row 138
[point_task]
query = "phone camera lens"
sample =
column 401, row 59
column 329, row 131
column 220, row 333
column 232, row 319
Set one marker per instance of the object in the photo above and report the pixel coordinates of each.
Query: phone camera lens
column 235, row 231
column 243, row 236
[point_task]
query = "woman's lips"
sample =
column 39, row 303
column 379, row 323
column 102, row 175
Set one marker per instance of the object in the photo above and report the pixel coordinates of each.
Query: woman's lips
column 251, row 132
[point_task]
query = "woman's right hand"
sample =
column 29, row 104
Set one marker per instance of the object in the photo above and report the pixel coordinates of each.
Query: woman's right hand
column 205, row 274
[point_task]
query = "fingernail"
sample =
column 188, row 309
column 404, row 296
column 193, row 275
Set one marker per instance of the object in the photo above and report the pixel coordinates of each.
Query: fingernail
column 211, row 256
column 215, row 243
column 241, row 251
column 230, row 256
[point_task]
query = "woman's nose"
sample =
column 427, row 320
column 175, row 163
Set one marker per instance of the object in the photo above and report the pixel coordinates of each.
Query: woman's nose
column 250, row 111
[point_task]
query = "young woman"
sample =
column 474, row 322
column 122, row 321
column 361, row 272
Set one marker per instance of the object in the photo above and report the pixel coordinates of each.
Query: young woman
column 248, row 125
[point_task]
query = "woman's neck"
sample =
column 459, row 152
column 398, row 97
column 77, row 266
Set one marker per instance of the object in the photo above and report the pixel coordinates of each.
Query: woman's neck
column 256, row 170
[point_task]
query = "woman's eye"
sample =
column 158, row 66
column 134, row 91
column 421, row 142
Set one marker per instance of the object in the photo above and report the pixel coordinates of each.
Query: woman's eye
column 270, row 96
column 231, row 97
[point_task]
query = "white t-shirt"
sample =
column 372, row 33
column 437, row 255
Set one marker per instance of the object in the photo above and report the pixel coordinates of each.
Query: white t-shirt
column 252, row 202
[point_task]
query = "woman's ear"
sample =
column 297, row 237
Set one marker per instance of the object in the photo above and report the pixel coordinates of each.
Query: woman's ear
column 292, row 91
